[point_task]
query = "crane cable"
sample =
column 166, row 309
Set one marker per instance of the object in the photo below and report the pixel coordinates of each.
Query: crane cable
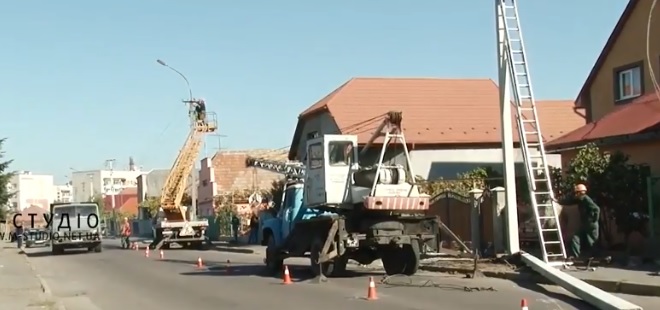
column 656, row 87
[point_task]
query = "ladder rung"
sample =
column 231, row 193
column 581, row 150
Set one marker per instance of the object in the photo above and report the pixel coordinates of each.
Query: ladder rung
column 554, row 255
column 550, row 229
column 517, row 51
column 546, row 217
column 552, row 242
column 513, row 29
column 542, row 193
column 544, row 205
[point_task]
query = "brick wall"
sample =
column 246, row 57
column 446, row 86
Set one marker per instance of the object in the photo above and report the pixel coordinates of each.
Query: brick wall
column 227, row 172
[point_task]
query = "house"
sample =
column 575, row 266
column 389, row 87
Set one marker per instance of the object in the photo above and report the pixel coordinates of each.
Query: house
column 451, row 125
column 621, row 102
column 226, row 172
column 125, row 202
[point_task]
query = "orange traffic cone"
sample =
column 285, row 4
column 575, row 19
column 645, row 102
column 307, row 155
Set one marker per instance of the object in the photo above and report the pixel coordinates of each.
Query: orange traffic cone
column 146, row 252
column 162, row 254
column 286, row 279
column 137, row 246
column 371, row 293
column 200, row 264
column 523, row 304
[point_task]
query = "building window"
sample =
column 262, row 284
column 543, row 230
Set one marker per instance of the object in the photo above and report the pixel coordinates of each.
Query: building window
column 628, row 82
column 312, row 135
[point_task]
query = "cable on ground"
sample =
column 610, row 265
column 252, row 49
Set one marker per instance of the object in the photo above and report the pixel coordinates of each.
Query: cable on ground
column 400, row 280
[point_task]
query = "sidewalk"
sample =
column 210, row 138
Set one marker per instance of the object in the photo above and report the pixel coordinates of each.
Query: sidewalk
column 20, row 286
column 609, row 279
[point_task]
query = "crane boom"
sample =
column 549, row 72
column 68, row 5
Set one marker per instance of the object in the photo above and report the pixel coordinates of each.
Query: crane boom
column 177, row 179
column 290, row 169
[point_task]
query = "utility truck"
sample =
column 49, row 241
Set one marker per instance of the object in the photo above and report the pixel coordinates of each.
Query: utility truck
column 173, row 223
column 336, row 210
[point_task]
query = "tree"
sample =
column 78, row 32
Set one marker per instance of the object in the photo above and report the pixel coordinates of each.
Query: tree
column 616, row 185
column 5, row 179
column 152, row 204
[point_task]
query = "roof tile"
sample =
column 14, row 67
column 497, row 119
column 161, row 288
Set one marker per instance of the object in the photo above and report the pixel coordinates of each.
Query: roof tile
column 635, row 117
column 434, row 110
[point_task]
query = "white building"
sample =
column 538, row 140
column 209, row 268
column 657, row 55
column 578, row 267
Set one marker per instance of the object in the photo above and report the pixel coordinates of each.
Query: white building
column 31, row 189
column 87, row 184
column 63, row 193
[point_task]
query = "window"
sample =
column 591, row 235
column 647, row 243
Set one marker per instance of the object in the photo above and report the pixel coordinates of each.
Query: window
column 341, row 153
column 315, row 156
column 628, row 83
column 312, row 135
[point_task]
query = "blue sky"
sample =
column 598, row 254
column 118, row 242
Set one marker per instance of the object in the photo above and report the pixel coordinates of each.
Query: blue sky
column 80, row 82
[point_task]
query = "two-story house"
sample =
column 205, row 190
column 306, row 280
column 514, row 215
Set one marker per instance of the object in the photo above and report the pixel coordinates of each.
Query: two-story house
column 621, row 99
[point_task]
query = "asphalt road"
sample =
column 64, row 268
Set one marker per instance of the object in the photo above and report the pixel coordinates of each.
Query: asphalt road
column 119, row 278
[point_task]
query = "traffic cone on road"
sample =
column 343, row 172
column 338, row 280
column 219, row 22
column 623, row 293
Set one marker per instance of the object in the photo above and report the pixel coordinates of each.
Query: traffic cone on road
column 523, row 304
column 146, row 252
column 137, row 246
column 371, row 293
column 286, row 279
column 200, row 264
column 162, row 254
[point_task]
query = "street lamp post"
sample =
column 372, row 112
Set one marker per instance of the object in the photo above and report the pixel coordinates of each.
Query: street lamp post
column 193, row 207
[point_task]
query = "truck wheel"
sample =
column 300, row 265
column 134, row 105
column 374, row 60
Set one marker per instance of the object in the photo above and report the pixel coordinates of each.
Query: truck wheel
column 273, row 261
column 404, row 260
column 332, row 268
column 98, row 248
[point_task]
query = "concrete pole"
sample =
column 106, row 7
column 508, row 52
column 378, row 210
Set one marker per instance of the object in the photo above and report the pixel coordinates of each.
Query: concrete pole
column 504, row 72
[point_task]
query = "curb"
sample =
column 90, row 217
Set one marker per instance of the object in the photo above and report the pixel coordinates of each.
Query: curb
column 45, row 288
column 612, row 286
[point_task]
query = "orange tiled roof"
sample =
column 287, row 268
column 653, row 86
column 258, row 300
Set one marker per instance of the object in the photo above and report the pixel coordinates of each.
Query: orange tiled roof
column 435, row 111
column 640, row 115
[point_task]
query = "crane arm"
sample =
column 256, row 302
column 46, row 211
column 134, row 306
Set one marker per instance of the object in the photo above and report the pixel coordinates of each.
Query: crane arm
column 290, row 169
column 177, row 179
column 391, row 124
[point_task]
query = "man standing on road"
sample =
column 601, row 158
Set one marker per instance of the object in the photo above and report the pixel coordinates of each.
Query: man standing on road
column 125, row 234
column 587, row 235
column 254, row 229
column 20, row 235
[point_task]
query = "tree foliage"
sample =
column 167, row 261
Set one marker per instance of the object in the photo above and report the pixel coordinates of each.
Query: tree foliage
column 5, row 179
column 615, row 184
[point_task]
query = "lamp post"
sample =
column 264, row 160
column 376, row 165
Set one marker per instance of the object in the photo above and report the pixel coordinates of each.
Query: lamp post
column 193, row 207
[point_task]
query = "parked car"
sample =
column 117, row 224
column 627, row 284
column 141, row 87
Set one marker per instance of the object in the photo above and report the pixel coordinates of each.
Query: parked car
column 36, row 236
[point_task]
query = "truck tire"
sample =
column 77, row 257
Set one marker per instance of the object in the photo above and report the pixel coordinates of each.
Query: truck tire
column 273, row 261
column 333, row 268
column 403, row 260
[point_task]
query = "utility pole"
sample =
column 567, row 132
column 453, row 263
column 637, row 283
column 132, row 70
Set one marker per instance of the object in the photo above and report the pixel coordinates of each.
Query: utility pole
column 110, row 163
column 190, row 102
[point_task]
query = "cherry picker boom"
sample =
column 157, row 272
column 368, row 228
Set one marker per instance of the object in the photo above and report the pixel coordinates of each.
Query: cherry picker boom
column 174, row 223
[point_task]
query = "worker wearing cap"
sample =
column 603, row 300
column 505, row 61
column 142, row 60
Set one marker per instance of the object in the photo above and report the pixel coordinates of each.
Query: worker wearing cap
column 125, row 234
column 587, row 234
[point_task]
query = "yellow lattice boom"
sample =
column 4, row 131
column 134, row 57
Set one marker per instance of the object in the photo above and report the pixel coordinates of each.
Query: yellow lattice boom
column 177, row 180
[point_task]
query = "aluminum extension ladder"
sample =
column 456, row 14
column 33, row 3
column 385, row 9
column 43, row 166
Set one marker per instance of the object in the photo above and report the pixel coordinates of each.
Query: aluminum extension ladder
column 529, row 130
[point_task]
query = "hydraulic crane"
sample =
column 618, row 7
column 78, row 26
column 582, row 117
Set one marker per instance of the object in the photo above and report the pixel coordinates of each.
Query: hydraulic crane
column 337, row 210
column 173, row 223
